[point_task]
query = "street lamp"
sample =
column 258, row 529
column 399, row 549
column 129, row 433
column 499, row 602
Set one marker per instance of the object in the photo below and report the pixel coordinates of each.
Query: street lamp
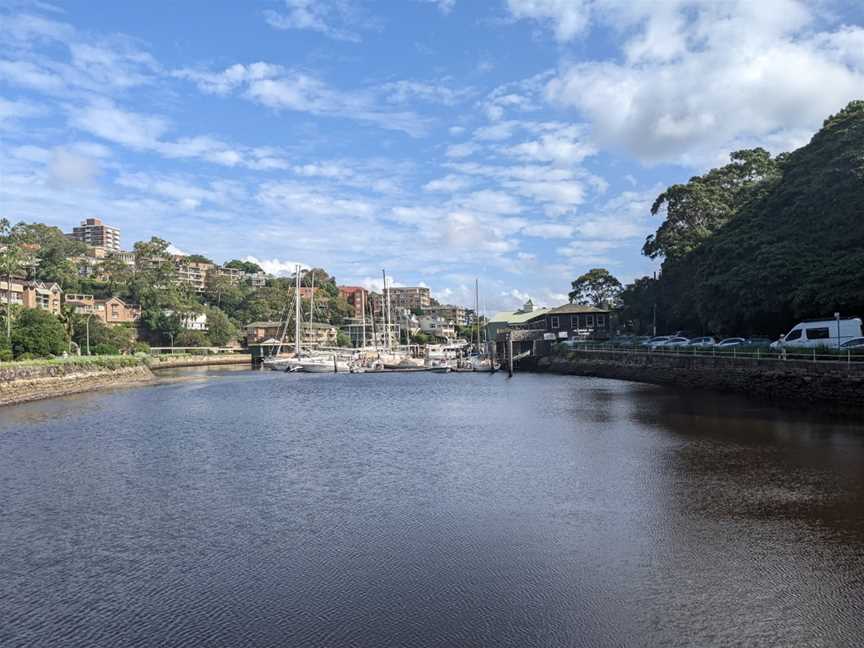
column 837, row 317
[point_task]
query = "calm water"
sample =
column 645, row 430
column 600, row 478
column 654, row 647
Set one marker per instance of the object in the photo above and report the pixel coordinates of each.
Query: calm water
column 264, row 509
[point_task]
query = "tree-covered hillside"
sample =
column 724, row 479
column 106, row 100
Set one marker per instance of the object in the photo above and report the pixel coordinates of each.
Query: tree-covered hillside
column 790, row 244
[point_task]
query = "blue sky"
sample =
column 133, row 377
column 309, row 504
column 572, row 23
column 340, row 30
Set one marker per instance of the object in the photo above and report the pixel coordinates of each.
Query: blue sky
column 518, row 141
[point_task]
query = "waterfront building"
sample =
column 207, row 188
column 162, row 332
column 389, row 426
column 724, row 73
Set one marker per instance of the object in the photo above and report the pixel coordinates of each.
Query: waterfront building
column 111, row 311
column 575, row 320
column 459, row 315
column 437, row 327
column 93, row 231
column 413, row 298
column 236, row 276
column 357, row 297
column 527, row 317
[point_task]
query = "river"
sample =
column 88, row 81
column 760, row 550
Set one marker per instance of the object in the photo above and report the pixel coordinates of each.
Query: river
column 237, row 508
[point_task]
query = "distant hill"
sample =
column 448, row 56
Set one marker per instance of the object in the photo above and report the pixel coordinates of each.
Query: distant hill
column 794, row 250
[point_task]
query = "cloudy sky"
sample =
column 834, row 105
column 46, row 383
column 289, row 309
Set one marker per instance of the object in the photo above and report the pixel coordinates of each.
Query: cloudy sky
column 518, row 141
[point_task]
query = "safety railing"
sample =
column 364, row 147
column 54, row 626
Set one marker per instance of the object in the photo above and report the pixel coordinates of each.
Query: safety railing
column 850, row 357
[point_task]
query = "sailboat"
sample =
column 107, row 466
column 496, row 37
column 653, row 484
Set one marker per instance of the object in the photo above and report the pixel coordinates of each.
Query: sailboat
column 481, row 361
column 394, row 358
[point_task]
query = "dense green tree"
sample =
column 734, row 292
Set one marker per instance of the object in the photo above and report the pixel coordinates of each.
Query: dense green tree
column 192, row 339
column 597, row 287
column 245, row 266
column 12, row 263
column 52, row 251
column 696, row 210
column 785, row 242
column 220, row 330
column 38, row 333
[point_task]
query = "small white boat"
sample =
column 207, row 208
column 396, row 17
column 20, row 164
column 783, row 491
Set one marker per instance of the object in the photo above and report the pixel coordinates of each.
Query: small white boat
column 323, row 364
column 400, row 361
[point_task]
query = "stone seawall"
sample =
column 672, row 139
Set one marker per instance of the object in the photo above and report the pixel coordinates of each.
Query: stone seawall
column 29, row 383
column 169, row 362
column 833, row 383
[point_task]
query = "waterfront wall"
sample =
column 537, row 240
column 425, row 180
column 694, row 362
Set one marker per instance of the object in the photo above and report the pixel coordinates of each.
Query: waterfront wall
column 23, row 383
column 834, row 383
column 29, row 381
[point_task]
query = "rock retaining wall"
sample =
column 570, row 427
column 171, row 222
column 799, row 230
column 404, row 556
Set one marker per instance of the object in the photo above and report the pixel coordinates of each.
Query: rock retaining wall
column 28, row 383
column 833, row 383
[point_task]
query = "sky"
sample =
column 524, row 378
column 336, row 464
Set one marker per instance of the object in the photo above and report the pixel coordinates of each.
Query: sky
column 521, row 142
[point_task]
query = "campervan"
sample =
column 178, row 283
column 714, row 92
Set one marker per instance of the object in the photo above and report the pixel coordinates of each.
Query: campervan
column 820, row 333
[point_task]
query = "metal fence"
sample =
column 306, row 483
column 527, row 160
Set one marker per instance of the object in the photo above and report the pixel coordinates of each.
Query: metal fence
column 752, row 354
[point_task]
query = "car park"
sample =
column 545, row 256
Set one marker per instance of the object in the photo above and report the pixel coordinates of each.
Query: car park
column 674, row 343
column 729, row 343
column 656, row 340
column 702, row 342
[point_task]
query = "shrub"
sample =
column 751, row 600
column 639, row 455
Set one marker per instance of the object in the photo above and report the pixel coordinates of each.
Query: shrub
column 38, row 333
column 104, row 348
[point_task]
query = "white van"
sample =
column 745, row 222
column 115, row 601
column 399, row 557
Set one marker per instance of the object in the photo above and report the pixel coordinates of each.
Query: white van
column 820, row 333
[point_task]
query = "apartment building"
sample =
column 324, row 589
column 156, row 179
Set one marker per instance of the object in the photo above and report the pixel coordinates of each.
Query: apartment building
column 110, row 311
column 357, row 297
column 459, row 315
column 93, row 231
column 31, row 294
column 437, row 326
column 417, row 297
column 193, row 273
column 237, row 276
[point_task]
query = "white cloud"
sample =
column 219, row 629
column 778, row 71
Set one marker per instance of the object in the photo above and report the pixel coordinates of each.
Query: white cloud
column 565, row 145
column 284, row 89
column 568, row 18
column 701, row 78
column 461, row 150
column 68, row 168
column 278, row 267
column 404, row 91
column 448, row 184
column 549, row 230
column 337, row 19
column 444, row 6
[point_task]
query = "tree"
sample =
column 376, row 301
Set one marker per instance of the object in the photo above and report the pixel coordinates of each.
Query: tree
column 52, row 252
column 220, row 330
column 639, row 304
column 192, row 339
column 245, row 266
column 696, row 210
column 197, row 258
column 38, row 333
column 12, row 258
column 597, row 287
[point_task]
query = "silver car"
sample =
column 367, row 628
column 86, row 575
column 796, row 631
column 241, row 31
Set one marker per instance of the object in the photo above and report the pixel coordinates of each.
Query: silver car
column 702, row 342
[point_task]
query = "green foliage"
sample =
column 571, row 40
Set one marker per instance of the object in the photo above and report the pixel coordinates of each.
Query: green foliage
column 792, row 245
column 192, row 339
column 220, row 330
column 597, row 287
column 106, row 349
column 118, row 337
column 421, row 338
column 245, row 266
column 342, row 339
column 638, row 303
column 38, row 333
column 52, row 251
column 197, row 258
column 696, row 210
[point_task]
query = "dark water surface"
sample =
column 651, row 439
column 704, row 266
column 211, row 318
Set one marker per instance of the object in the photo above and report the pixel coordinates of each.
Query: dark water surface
column 264, row 509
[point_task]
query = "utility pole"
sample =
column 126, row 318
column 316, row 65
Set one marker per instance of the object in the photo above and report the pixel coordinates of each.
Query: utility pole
column 510, row 354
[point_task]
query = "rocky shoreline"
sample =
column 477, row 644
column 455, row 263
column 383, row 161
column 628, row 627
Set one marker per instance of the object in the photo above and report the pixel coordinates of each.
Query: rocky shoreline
column 25, row 383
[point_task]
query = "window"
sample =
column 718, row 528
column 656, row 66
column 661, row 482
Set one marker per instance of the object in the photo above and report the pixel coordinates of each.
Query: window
column 601, row 321
column 554, row 322
column 793, row 335
column 589, row 321
column 818, row 333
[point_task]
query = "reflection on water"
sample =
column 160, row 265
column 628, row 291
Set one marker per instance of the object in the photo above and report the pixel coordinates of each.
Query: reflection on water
column 263, row 509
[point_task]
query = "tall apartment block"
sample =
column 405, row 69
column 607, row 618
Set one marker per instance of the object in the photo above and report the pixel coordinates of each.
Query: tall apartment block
column 94, row 232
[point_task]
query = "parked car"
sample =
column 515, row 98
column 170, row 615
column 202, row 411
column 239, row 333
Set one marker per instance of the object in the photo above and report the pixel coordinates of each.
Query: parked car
column 759, row 342
column 821, row 333
column 674, row 343
column 654, row 341
column 854, row 343
column 728, row 343
column 702, row 342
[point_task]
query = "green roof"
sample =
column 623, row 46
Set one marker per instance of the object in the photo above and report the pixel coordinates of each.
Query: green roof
column 517, row 317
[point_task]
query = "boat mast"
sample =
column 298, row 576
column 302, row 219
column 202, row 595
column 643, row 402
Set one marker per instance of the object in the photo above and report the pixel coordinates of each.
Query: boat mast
column 297, row 314
column 312, row 300
column 374, row 337
column 386, row 305
column 363, row 313
column 477, row 310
